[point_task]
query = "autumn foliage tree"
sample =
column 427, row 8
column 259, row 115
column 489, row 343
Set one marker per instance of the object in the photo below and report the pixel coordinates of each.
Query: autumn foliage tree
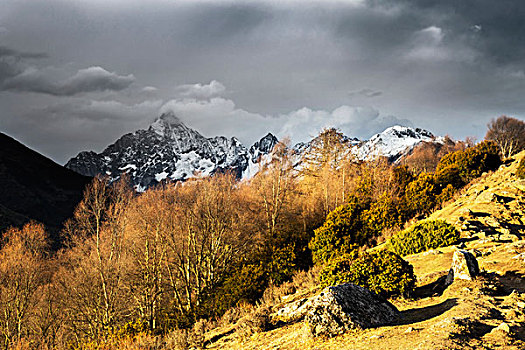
column 24, row 275
column 327, row 168
column 426, row 155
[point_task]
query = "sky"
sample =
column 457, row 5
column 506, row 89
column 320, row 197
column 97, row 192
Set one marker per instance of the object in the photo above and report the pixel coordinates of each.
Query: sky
column 77, row 74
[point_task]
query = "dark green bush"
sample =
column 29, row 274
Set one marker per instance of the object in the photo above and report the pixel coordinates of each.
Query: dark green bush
column 449, row 175
column 420, row 194
column 472, row 162
column 384, row 273
column 246, row 282
column 521, row 169
column 342, row 231
column 424, row 236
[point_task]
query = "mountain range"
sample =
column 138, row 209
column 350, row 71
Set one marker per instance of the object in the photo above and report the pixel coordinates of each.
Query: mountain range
column 169, row 150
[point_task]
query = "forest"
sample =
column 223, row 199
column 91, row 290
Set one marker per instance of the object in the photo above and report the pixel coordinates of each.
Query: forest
column 158, row 262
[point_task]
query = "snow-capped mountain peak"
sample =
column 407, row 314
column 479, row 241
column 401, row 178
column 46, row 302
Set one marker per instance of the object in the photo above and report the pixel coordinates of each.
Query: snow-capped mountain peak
column 168, row 125
column 393, row 142
column 169, row 149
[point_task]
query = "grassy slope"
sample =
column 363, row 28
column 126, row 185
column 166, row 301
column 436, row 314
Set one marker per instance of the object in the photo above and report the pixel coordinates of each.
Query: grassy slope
column 466, row 315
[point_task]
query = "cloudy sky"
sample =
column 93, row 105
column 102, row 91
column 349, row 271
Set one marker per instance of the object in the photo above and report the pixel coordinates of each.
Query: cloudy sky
column 76, row 75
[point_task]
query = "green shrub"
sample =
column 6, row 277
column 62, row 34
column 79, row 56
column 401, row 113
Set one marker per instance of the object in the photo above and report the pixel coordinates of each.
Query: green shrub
column 384, row 273
column 472, row 162
column 424, row 236
column 246, row 282
column 342, row 232
column 420, row 194
column 383, row 213
column 449, row 175
column 446, row 194
column 521, row 169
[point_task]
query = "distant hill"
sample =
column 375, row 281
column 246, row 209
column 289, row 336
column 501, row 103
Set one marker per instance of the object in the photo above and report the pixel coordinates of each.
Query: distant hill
column 34, row 187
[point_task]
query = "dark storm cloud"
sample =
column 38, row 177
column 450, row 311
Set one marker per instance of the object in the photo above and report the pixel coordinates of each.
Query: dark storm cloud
column 366, row 92
column 239, row 68
column 495, row 28
column 85, row 80
column 11, row 61
column 8, row 52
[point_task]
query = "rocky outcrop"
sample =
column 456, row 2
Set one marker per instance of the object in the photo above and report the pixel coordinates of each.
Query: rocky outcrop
column 464, row 267
column 338, row 309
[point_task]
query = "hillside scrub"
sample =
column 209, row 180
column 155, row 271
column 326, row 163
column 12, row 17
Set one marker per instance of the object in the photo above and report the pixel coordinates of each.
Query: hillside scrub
column 472, row 162
column 423, row 236
column 384, row 273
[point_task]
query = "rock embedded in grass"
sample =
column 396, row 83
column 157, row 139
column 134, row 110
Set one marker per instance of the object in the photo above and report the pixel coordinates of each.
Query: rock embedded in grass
column 464, row 267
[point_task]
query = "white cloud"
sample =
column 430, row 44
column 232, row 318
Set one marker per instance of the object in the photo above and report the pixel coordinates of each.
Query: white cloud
column 476, row 28
column 149, row 89
column 361, row 122
column 220, row 116
column 202, row 91
column 427, row 45
column 95, row 79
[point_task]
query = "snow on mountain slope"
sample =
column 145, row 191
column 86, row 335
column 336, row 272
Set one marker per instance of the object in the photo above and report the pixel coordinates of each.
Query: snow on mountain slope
column 392, row 143
column 168, row 149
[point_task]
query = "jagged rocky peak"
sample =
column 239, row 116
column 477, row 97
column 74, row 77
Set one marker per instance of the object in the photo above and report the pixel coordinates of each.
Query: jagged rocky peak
column 169, row 124
column 407, row 132
column 263, row 146
column 266, row 143
column 169, row 150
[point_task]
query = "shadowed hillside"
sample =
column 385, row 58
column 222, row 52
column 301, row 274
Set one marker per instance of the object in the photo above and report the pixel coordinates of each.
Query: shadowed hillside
column 34, row 187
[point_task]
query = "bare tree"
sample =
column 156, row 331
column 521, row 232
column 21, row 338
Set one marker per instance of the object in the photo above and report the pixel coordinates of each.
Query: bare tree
column 509, row 133
column 327, row 169
column 150, row 217
column 207, row 239
column 90, row 274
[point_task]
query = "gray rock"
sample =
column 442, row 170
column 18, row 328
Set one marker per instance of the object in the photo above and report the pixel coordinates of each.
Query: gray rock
column 338, row 309
column 464, row 266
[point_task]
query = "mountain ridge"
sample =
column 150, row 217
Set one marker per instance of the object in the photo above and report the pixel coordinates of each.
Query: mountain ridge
column 170, row 150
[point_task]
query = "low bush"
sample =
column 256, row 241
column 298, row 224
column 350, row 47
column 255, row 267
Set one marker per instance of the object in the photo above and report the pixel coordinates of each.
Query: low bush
column 424, row 236
column 384, row 273
column 255, row 322
column 521, row 169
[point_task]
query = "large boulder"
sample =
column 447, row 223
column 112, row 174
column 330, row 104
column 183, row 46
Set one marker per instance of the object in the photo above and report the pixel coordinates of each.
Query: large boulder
column 338, row 309
column 464, row 267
